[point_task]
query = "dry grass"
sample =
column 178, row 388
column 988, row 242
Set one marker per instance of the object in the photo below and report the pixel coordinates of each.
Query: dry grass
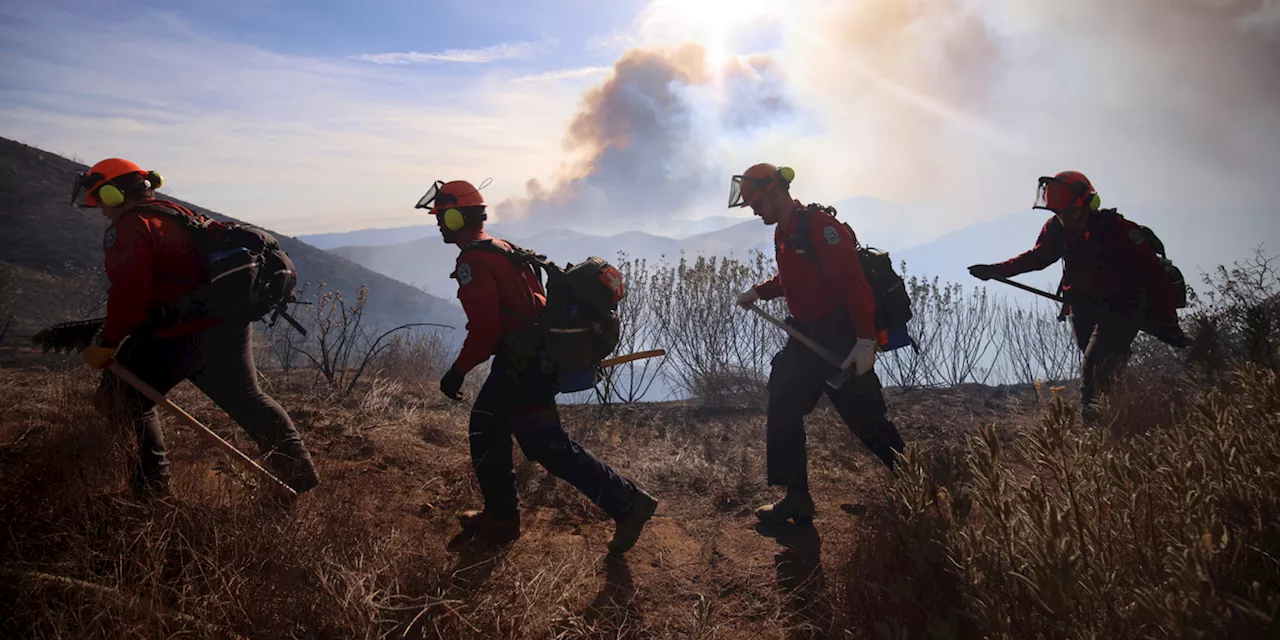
column 1148, row 530
column 1025, row 527
column 367, row 554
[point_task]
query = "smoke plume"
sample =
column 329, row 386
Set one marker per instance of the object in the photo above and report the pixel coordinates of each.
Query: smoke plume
column 644, row 143
column 1164, row 102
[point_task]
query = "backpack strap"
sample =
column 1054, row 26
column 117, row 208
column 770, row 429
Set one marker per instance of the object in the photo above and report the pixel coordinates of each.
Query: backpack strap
column 194, row 223
column 542, row 268
column 802, row 239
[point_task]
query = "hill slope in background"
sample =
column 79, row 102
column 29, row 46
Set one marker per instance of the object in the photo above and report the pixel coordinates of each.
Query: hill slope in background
column 49, row 238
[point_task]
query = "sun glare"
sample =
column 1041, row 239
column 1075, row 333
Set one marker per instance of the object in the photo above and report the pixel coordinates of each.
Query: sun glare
column 710, row 22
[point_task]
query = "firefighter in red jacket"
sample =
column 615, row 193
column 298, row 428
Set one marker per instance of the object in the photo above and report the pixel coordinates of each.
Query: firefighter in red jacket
column 1112, row 279
column 830, row 301
column 502, row 300
column 151, row 261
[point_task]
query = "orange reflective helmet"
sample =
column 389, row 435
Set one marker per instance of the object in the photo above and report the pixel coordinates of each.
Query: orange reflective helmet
column 1066, row 192
column 446, row 199
column 747, row 188
column 107, row 182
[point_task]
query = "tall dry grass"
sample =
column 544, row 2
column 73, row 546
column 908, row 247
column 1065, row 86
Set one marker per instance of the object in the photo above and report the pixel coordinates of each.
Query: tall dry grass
column 1079, row 533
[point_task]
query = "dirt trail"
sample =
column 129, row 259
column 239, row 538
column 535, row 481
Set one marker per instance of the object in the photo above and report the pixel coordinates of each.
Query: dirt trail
column 395, row 476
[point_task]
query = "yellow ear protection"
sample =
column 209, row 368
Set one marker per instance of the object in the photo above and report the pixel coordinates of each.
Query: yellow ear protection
column 1081, row 191
column 113, row 195
column 786, row 175
column 455, row 219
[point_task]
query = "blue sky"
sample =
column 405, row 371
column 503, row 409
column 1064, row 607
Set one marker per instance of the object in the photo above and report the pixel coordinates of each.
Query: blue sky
column 325, row 116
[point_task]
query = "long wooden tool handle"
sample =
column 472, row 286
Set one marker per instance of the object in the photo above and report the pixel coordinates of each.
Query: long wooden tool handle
column 176, row 411
column 1019, row 285
column 639, row 355
column 805, row 340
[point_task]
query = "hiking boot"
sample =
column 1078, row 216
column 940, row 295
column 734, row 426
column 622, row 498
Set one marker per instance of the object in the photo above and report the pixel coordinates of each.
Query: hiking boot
column 488, row 525
column 627, row 530
column 797, row 506
column 297, row 472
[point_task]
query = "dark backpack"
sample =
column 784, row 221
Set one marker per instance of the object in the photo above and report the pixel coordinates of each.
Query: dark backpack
column 1172, row 271
column 580, row 325
column 247, row 274
column 1175, row 274
column 893, row 302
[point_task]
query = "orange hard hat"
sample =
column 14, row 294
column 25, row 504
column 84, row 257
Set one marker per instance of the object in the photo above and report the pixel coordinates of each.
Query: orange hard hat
column 456, row 194
column 99, row 175
column 1066, row 191
column 759, row 179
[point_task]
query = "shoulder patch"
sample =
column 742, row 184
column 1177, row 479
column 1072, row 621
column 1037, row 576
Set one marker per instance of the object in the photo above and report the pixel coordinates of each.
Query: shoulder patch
column 464, row 274
column 1136, row 236
column 829, row 232
column 109, row 238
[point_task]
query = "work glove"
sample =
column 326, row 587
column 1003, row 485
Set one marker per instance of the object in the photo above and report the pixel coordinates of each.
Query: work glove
column 748, row 298
column 99, row 352
column 451, row 383
column 862, row 358
column 983, row 271
column 1171, row 334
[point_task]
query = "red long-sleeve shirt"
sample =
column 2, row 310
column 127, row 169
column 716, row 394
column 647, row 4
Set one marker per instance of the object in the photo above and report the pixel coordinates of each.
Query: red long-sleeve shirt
column 1110, row 262
column 150, row 260
column 816, row 289
column 488, row 282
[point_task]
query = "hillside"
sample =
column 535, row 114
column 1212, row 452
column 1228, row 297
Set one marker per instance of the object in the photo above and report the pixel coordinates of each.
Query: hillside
column 50, row 237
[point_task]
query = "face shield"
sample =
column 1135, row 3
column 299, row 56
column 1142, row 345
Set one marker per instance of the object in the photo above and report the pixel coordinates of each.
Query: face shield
column 428, row 200
column 1055, row 195
column 745, row 190
column 85, row 182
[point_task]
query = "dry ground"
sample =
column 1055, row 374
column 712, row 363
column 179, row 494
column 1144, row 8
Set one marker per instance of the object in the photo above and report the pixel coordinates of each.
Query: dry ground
column 368, row 553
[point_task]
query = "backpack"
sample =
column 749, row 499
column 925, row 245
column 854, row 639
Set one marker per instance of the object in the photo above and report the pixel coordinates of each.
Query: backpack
column 579, row 326
column 1171, row 270
column 1175, row 274
column 893, row 302
column 247, row 274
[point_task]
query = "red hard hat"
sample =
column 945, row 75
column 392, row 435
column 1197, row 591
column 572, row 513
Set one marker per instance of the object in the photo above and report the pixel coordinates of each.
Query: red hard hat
column 99, row 175
column 1066, row 191
column 455, row 194
column 756, row 181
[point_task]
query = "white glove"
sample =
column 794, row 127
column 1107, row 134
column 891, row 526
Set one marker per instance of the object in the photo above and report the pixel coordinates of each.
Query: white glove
column 748, row 298
column 862, row 358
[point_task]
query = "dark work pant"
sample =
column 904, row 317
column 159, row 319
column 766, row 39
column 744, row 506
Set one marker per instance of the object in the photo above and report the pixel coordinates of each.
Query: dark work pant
column 219, row 361
column 1106, row 347
column 520, row 401
column 796, row 383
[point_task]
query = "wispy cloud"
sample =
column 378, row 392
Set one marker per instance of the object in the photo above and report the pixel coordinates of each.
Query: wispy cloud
column 563, row 74
column 296, row 143
column 483, row 55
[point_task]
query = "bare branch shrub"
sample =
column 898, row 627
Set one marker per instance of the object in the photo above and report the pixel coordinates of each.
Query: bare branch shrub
column 706, row 334
column 630, row 382
column 1037, row 346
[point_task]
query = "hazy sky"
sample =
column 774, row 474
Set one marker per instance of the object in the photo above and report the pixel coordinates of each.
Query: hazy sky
column 605, row 116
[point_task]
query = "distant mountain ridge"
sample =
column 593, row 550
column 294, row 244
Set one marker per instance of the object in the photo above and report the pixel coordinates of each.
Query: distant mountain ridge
column 1195, row 246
